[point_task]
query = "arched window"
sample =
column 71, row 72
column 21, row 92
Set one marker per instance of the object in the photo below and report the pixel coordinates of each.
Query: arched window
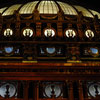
column 7, row 88
column 8, row 49
column 94, row 51
column 49, row 33
column 28, row 32
column 8, row 32
column 50, row 50
column 94, row 89
column 70, row 33
column 89, row 33
column 52, row 89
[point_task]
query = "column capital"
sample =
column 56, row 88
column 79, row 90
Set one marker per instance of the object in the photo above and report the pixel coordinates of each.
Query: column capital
column 80, row 83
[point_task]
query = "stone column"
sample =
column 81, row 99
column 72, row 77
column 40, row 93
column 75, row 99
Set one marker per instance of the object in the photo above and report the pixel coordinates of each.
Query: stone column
column 86, row 90
column 17, row 26
column 81, row 97
column 1, row 21
column 36, row 91
column 59, row 29
column 80, row 31
column 38, row 29
column 97, row 27
column 70, row 91
column 79, row 25
column 18, row 89
column 26, row 87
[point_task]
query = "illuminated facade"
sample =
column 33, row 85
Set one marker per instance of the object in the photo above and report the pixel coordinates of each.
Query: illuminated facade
column 49, row 50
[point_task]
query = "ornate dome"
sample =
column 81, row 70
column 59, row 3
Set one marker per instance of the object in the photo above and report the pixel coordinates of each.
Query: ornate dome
column 48, row 7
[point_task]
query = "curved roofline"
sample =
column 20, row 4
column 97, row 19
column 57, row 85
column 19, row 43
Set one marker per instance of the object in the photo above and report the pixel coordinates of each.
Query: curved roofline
column 70, row 10
column 5, row 10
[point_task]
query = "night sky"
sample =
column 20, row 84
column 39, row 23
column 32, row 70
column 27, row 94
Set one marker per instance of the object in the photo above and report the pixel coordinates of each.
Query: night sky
column 92, row 4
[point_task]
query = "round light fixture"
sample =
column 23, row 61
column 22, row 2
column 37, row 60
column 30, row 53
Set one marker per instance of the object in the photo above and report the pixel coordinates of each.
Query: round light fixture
column 89, row 33
column 49, row 33
column 28, row 32
column 70, row 33
column 8, row 32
